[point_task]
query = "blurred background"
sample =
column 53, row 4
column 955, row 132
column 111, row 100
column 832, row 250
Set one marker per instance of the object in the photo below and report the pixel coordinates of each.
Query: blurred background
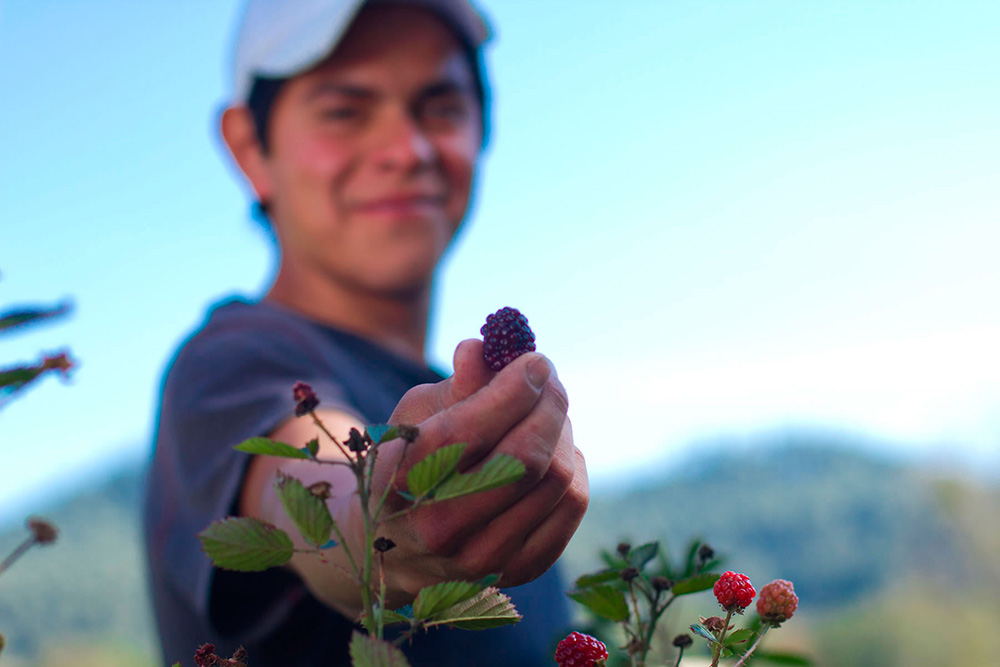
column 758, row 240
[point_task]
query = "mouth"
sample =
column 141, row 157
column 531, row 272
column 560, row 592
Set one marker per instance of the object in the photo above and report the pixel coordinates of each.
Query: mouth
column 402, row 206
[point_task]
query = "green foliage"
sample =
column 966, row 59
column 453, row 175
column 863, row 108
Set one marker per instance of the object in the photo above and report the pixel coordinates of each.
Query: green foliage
column 245, row 544
column 695, row 584
column 268, row 447
column 487, row 609
column 307, row 511
column 367, row 651
column 499, row 471
column 26, row 316
column 603, row 600
column 425, row 475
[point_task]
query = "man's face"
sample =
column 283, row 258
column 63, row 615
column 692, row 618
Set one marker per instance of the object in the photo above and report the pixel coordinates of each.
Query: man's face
column 371, row 155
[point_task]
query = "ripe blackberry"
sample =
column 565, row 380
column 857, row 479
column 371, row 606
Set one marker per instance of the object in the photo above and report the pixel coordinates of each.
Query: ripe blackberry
column 580, row 650
column 777, row 602
column 734, row 591
column 507, row 336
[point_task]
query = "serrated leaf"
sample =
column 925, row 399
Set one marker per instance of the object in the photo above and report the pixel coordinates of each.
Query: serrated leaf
column 433, row 469
column 487, row 609
column 389, row 617
column 739, row 636
column 604, row 601
column 380, row 433
column 268, row 447
column 245, row 544
column 499, row 471
column 776, row 658
column 641, row 555
column 602, row 577
column 432, row 599
column 695, row 584
column 367, row 651
column 703, row 632
column 307, row 511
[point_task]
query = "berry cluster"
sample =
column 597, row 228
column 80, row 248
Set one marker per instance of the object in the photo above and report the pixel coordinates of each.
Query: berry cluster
column 777, row 602
column 734, row 591
column 580, row 650
column 507, row 336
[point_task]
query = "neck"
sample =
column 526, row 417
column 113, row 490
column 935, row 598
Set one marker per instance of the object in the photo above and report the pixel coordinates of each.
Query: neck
column 398, row 322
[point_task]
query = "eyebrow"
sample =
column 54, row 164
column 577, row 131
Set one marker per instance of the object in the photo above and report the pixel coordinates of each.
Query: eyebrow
column 434, row 89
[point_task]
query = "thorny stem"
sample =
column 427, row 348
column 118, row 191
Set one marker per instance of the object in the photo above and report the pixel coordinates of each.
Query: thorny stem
column 381, row 594
column 654, row 618
column 763, row 631
column 717, row 649
column 17, row 553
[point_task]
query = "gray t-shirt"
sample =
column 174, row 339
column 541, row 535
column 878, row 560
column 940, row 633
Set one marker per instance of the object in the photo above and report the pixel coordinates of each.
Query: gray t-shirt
column 230, row 381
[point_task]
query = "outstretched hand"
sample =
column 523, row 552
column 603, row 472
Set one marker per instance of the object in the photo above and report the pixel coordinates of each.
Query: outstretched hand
column 518, row 530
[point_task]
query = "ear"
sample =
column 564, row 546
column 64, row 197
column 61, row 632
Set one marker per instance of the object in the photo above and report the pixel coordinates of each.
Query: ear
column 240, row 135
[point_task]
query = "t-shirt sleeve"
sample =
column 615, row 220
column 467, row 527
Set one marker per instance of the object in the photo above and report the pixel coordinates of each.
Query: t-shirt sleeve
column 227, row 385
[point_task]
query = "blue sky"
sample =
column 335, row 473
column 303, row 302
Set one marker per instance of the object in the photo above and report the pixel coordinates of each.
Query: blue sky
column 724, row 218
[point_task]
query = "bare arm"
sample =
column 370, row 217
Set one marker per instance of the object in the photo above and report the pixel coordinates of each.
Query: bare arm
column 518, row 530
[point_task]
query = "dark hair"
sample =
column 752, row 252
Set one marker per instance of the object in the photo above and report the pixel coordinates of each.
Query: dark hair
column 265, row 91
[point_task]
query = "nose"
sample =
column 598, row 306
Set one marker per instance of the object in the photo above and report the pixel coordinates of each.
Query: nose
column 403, row 144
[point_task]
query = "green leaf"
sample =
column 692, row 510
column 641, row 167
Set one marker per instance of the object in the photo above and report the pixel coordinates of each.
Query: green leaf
column 703, row 632
column 777, row 658
column 20, row 375
column 268, row 447
column 433, row 469
column 695, row 584
column 604, row 601
column 245, row 544
column 739, row 636
column 389, row 617
column 641, row 555
column 602, row 577
column 367, row 651
column 307, row 511
column 499, row 471
column 13, row 319
column 432, row 599
column 487, row 609
column 380, row 433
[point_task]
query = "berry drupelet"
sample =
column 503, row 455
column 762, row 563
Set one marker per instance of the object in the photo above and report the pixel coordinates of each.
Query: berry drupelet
column 734, row 591
column 580, row 650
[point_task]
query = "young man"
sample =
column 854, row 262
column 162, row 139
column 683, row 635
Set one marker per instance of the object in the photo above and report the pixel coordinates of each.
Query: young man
column 358, row 126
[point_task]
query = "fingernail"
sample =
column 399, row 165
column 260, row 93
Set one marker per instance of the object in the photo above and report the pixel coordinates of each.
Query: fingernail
column 539, row 371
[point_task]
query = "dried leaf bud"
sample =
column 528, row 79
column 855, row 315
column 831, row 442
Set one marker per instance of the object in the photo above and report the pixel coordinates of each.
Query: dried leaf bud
column 624, row 548
column 661, row 583
column 60, row 362
column 683, row 641
column 714, row 624
column 44, row 532
column 705, row 553
column 305, row 399
column 629, row 573
column 320, row 490
column 383, row 544
column 356, row 441
column 3, row 642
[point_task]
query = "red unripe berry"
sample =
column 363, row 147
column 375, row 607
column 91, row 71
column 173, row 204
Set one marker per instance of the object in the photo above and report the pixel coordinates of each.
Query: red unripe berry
column 506, row 336
column 777, row 602
column 580, row 650
column 734, row 591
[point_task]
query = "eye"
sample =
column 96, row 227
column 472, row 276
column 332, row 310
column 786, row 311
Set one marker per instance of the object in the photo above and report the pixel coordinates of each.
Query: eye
column 340, row 113
column 449, row 110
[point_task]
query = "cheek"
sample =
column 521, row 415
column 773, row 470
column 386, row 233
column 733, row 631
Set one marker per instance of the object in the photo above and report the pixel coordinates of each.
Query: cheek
column 459, row 163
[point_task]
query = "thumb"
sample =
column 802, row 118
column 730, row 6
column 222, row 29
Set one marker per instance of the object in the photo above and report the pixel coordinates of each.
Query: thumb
column 423, row 401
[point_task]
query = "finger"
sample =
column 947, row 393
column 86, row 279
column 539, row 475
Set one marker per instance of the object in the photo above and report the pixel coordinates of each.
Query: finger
column 543, row 546
column 471, row 372
column 482, row 419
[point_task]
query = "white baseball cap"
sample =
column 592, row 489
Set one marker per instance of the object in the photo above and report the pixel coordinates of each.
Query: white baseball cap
column 281, row 38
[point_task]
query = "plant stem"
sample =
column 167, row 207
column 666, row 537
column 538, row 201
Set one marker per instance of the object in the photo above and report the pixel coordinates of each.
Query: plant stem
column 680, row 655
column 17, row 553
column 717, row 649
column 753, row 648
column 322, row 426
column 638, row 623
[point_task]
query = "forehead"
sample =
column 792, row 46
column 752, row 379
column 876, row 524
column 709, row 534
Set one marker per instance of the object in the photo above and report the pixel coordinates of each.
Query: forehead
column 397, row 43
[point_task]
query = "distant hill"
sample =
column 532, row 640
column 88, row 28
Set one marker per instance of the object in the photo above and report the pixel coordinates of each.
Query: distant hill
column 845, row 526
